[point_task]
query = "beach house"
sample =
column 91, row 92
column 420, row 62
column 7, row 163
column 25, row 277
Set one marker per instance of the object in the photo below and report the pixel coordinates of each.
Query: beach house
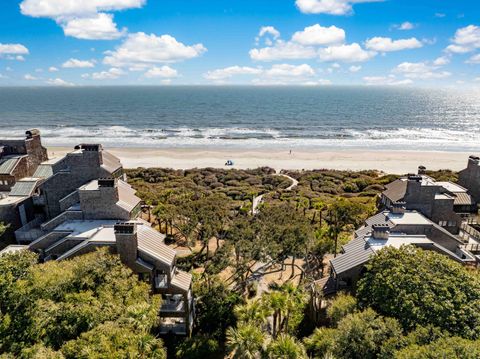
column 77, row 203
column 443, row 202
column 395, row 227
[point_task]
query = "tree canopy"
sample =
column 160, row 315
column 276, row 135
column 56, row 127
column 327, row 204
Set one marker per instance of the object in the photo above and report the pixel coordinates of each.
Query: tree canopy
column 420, row 287
column 74, row 308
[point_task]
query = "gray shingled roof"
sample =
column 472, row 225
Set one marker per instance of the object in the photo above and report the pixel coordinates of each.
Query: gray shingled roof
column 357, row 253
column 396, row 190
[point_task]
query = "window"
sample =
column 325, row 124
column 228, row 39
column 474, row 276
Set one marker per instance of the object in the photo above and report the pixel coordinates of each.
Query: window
column 443, row 223
column 161, row 280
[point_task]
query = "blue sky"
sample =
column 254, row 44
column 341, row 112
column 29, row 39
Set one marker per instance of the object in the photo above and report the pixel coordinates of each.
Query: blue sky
column 261, row 42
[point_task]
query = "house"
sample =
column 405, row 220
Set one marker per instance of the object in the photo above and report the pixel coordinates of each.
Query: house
column 470, row 178
column 80, row 202
column 445, row 203
column 20, row 158
column 52, row 188
column 394, row 228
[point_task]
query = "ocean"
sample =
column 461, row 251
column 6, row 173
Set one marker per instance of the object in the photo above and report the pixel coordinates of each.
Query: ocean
column 246, row 117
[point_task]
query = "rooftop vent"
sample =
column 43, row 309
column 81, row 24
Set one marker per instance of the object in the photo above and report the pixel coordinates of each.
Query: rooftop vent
column 422, row 170
column 125, row 228
column 106, row 182
column 380, row 231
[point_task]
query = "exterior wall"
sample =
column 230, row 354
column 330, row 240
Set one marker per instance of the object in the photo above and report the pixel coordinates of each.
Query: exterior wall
column 10, row 214
column 6, row 182
column 422, row 199
column 80, row 168
column 101, row 204
column 470, row 179
column 435, row 234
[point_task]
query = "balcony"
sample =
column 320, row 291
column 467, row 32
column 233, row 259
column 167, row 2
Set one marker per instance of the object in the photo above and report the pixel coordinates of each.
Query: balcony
column 172, row 306
column 176, row 326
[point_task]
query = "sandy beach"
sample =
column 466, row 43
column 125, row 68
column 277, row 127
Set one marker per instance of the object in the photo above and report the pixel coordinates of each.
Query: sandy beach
column 398, row 162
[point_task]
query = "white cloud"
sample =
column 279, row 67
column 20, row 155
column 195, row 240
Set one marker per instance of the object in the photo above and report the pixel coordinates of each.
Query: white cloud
column 466, row 39
column 275, row 75
column 52, row 69
column 98, row 27
column 140, row 50
column 163, row 72
column 420, row 70
column 264, row 30
column 405, row 26
column 475, row 59
column 389, row 80
column 345, row 53
column 319, row 35
column 112, row 74
column 29, row 77
column 354, row 68
column 441, row 61
column 81, row 19
column 289, row 71
column 77, row 64
column 13, row 51
column 319, row 82
column 386, row 44
column 282, row 50
column 228, row 72
column 332, row 7
column 59, row 82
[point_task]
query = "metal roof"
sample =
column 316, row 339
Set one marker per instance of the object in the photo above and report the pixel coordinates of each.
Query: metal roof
column 358, row 253
column 126, row 195
column 110, row 162
column 24, row 188
column 8, row 165
column 151, row 243
column 463, row 199
column 182, row 280
column 43, row 171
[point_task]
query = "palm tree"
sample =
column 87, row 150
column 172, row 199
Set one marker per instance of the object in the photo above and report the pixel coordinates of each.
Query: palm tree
column 286, row 347
column 246, row 341
column 254, row 312
column 276, row 301
column 295, row 300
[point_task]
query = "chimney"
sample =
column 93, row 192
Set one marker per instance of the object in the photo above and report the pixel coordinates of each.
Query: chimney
column 380, row 231
column 473, row 161
column 398, row 207
column 127, row 242
column 31, row 133
column 422, row 170
column 107, row 182
column 415, row 178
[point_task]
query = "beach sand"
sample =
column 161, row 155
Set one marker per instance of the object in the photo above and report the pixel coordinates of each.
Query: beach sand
column 398, row 162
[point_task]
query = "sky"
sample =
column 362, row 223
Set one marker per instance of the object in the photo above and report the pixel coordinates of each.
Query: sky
column 246, row 42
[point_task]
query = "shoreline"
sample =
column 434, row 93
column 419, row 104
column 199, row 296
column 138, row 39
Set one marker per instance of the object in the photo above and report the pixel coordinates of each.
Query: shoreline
column 389, row 161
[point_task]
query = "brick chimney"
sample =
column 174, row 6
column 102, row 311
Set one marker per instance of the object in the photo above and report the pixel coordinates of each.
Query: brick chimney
column 422, row 170
column 127, row 242
column 398, row 207
column 380, row 231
